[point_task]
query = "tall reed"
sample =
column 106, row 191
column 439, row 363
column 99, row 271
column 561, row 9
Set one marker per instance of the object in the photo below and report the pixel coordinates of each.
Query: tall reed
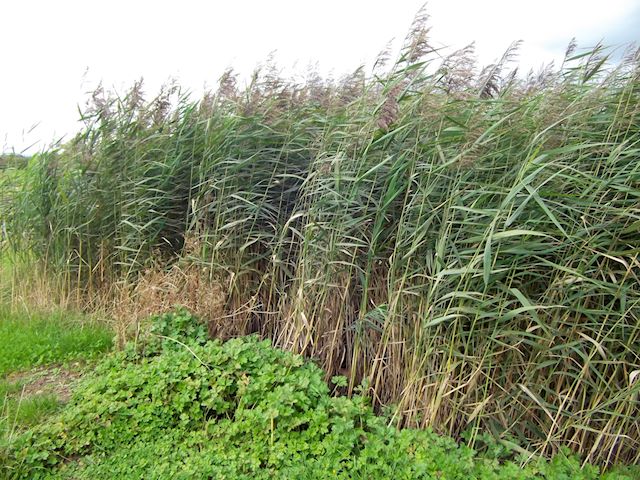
column 465, row 241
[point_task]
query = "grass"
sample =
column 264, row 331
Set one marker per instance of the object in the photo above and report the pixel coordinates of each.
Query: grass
column 31, row 339
column 462, row 239
column 36, row 350
column 18, row 413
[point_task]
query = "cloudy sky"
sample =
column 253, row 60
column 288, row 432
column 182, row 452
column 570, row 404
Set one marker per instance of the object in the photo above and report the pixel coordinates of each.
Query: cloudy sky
column 53, row 53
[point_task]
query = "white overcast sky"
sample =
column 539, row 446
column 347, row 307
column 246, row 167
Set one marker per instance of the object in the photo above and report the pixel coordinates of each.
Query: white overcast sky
column 54, row 52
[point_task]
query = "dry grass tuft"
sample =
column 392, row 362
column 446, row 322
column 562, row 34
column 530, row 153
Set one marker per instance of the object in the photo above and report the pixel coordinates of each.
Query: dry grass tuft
column 160, row 290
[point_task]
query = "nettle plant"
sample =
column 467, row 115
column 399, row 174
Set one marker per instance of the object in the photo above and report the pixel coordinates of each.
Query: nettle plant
column 178, row 405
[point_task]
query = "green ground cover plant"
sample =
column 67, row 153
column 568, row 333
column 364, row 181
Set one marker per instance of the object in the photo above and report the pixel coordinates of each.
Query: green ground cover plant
column 464, row 240
column 181, row 406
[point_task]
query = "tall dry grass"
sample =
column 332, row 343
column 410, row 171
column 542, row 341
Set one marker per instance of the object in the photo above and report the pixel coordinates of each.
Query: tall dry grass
column 464, row 239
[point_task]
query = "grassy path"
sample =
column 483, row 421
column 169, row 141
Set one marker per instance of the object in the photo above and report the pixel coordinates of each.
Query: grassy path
column 40, row 357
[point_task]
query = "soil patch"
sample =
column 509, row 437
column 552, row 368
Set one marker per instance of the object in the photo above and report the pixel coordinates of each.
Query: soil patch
column 53, row 380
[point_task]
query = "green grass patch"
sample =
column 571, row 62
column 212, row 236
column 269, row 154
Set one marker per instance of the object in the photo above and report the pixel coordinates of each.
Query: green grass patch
column 18, row 412
column 28, row 395
column 28, row 340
